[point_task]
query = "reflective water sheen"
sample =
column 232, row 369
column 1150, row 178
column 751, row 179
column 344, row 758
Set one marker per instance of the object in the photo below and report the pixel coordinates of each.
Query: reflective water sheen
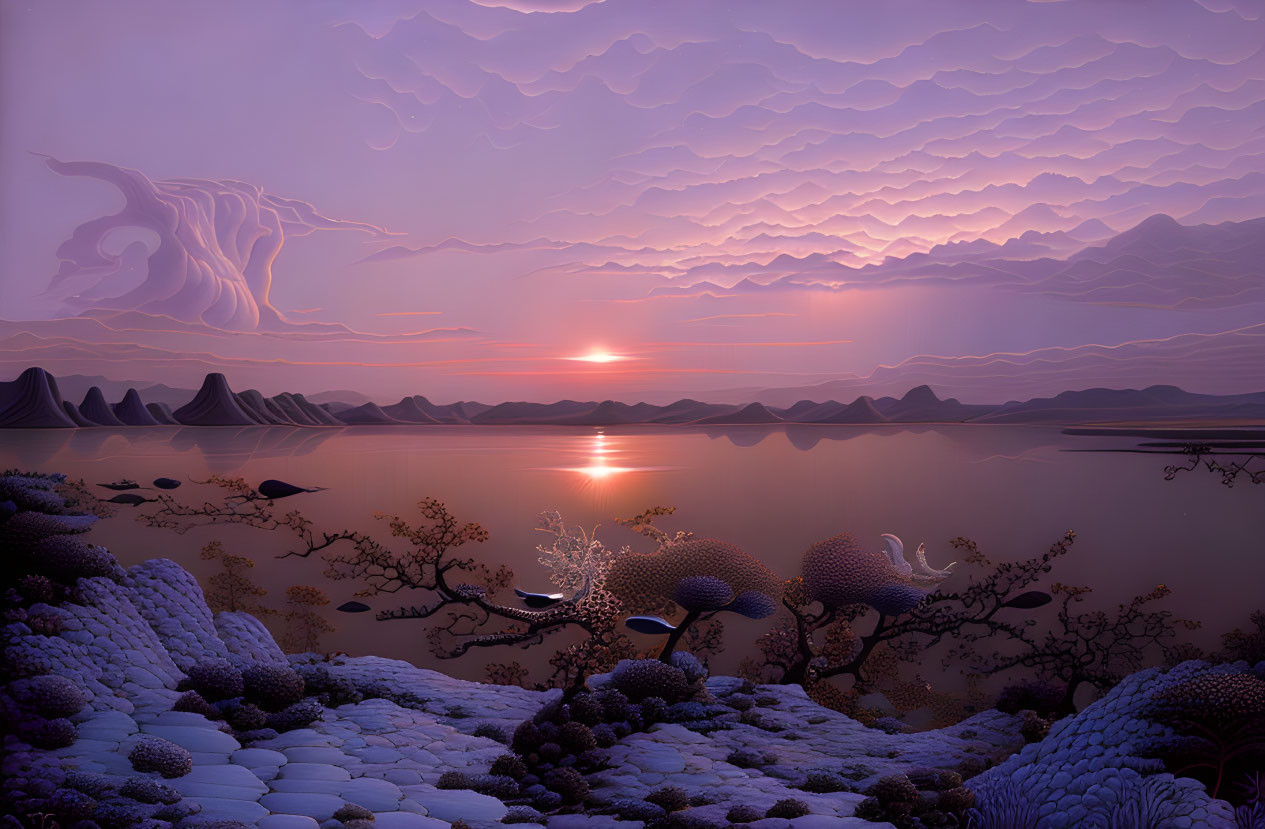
column 772, row 490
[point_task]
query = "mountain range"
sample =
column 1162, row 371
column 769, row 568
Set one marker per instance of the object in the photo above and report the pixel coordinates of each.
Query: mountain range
column 34, row 400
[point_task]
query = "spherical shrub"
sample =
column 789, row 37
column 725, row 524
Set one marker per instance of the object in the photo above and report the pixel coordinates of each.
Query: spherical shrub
column 744, row 814
column 49, row 695
column 956, row 800
column 147, row 790
column 688, row 664
column 788, row 809
column 192, row 702
column 629, row 809
column 615, row 705
column 302, row 713
column 331, row 690
column 162, row 756
column 550, row 752
column 246, row 717
column 453, row 780
column 894, row 788
column 491, row 731
column 547, row 801
column 746, row 758
column 641, row 678
column 586, row 709
column 35, row 588
column 576, row 738
column 669, row 798
column 604, row 735
column 215, row 679
column 71, row 805
column 96, row 786
column 527, row 738
column 870, row 809
column 509, row 765
column 272, row 687
column 523, row 814
column 1035, row 728
column 493, row 785
column 50, row 734
column 567, row 783
column 66, row 558
column 824, row 782
column 352, row 811
column 120, row 814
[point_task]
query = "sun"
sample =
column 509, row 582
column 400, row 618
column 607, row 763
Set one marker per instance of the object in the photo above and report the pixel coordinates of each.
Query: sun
column 599, row 357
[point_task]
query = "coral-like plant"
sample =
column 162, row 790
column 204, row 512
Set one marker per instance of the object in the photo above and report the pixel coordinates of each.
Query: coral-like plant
column 821, row 640
column 701, row 576
column 1220, row 719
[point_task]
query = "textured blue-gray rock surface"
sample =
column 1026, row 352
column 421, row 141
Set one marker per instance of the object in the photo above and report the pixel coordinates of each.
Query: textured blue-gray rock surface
column 1088, row 771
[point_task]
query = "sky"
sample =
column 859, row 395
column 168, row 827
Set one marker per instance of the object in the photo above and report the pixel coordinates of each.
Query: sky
column 534, row 200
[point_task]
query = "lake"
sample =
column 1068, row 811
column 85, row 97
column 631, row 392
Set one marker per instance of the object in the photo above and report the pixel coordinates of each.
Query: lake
column 771, row 490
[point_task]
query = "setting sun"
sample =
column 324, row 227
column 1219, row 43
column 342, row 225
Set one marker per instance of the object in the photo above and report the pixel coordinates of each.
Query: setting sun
column 599, row 357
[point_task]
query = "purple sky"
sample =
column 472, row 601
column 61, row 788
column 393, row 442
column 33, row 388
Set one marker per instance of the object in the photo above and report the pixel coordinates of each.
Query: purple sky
column 468, row 195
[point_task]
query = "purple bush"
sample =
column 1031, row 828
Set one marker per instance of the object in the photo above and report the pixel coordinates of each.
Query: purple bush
column 215, row 679
column 154, row 754
column 272, row 687
column 49, row 695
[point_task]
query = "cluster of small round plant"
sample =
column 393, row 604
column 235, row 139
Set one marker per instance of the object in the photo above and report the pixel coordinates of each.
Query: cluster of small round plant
column 917, row 799
column 260, row 700
column 42, row 543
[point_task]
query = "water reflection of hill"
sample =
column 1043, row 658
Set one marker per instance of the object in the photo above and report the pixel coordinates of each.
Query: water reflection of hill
column 981, row 441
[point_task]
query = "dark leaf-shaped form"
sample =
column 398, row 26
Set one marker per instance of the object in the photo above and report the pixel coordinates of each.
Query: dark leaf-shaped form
column 130, row 499
column 649, row 625
column 273, row 489
column 122, row 485
column 166, row 483
column 700, row 594
column 753, row 604
column 353, row 607
column 537, row 601
column 1029, row 600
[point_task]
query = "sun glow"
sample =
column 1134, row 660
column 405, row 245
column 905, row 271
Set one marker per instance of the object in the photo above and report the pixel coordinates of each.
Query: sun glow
column 599, row 357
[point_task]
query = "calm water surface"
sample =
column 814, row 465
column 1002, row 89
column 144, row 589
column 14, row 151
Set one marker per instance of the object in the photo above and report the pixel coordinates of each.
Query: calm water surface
column 771, row 490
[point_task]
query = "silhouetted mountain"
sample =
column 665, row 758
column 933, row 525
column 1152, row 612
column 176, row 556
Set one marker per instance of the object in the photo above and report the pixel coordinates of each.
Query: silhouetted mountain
column 32, row 400
column 611, row 413
column 321, row 416
column 752, row 414
column 369, row 414
column 528, row 413
column 1151, row 403
column 688, row 411
column 162, row 413
column 95, row 410
column 351, row 398
column 920, row 405
column 410, row 411
column 861, row 410
column 214, row 405
column 132, row 412
column 72, row 411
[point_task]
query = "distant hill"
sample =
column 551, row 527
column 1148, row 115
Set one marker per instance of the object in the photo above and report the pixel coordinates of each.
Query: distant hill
column 34, row 400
